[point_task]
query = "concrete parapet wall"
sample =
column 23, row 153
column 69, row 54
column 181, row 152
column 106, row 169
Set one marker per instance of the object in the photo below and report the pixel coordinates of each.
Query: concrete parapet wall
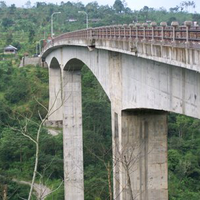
column 143, row 155
column 30, row 61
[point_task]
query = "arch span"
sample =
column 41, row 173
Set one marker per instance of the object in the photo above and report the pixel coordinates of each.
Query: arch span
column 99, row 64
column 54, row 63
column 74, row 65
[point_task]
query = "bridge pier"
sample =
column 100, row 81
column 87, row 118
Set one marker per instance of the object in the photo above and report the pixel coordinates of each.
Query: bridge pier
column 55, row 95
column 140, row 155
column 55, row 115
column 72, row 136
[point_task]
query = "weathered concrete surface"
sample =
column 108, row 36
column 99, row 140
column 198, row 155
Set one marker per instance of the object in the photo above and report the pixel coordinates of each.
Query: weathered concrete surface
column 143, row 155
column 139, row 143
column 54, row 127
column 115, row 66
column 55, row 93
column 153, row 85
column 140, row 169
column 72, row 136
column 30, row 61
column 54, row 124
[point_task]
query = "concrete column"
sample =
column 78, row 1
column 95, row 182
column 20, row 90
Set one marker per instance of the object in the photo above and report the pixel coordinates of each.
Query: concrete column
column 72, row 136
column 55, row 98
column 141, row 171
column 116, row 133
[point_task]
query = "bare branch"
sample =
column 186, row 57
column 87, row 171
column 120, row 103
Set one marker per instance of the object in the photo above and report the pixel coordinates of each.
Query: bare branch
column 41, row 104
column 55, row 189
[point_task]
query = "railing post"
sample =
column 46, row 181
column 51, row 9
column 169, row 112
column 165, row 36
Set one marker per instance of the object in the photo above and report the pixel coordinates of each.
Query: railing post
column 163, row 25
column 91, row 31
column 153, row 25
column 125, row 26
column 114, row 32
column 119, row 29
column 109, row 31
column 106, row 28
column 98, row 33
column 95, row 33
column 103, row 32
column 174, row 24
column 188, row 24
column 144, row 31
column 137, row 25
column 130, row 31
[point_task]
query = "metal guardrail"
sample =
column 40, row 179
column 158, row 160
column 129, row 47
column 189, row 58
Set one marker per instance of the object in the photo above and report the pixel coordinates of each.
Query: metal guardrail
column 186, row 34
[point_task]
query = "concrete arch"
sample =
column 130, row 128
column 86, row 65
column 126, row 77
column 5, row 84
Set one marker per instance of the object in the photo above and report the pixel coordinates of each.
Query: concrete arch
column 54, row 63
column 74, row 65
column 98, row 65
column 72, row 127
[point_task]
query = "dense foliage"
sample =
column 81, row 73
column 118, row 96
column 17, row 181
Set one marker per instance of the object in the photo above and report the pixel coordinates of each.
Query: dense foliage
column 22, row 89
column 19, row 99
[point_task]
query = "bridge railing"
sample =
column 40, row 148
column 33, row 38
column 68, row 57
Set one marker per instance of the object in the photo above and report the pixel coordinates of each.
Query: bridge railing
column 185, row 34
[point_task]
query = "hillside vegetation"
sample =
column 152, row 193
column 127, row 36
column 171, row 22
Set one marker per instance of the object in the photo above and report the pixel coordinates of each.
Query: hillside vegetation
column 21, row 90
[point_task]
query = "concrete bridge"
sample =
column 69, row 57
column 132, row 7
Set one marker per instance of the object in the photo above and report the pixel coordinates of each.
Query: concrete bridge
column 146, row 71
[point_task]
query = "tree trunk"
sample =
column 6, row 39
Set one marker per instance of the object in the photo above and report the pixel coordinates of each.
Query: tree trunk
column 5, row 189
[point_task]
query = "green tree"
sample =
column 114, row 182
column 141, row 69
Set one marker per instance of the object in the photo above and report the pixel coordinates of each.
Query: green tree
column 3, row 4
column 28, row 4
column 12, row 9
column 7, row 22
column 9, row 39
column 31, row 35
column 118, row 6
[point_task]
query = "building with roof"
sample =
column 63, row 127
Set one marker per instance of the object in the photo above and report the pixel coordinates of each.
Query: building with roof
column 10, row 50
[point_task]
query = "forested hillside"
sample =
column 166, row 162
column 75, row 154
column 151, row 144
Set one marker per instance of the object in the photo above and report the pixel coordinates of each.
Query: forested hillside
column 24, row 94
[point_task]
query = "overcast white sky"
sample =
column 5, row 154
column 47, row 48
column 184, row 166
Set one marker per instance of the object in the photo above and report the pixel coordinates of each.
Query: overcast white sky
column 133, row 4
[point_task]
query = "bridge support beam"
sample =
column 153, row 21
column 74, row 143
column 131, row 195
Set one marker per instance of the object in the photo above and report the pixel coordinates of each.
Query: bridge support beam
column 140, row 155
column 72, row 136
